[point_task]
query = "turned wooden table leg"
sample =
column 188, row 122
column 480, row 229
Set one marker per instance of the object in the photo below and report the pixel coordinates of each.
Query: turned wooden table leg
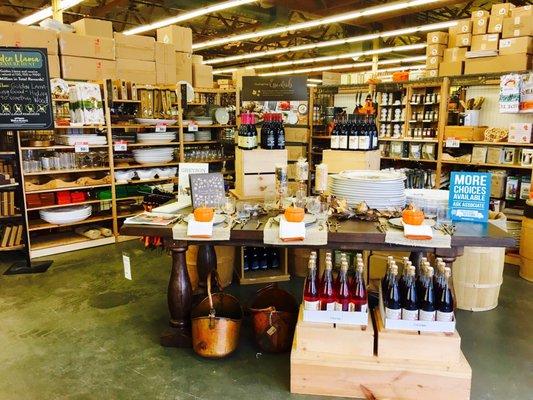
column 448, row 257
column 179, row 297
column 206, row 262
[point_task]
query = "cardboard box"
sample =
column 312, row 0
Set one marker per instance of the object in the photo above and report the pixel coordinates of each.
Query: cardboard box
column 179, row 36
column 464, row 26
column 495, row 24
column 435, row 49
column 135, row 47
column 94, row 27
column 516, row 45
column 431, row 73
column 498, row 182
column 17, row 35
column 433, row 62
column 87, row 69
column 202, row 76
column 165, row 74
column 74, row 45
column 502, row 9
column 479, row 25
column 485, row 42
column 183, row 67
column 437, row 37
column 522, row 11
column 479, row 14
column 197, row 59
column 164, row 53
column 331, row 78
column 455, row 54
column 462, row 40
column 520, row 132
column 451, row 68
column 54, row 69
column 504, row 63
column 517, row 26
column 138, row 71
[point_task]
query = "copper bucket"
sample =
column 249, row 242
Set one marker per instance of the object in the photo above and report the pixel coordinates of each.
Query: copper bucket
column 216, row 324
column 274, row 314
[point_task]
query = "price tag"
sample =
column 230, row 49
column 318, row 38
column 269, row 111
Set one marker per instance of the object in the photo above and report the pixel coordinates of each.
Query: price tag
column 192, row 128
column 127, row 265
column 159, row 128
column 81, row 147
column 453, row 142
column 121, row 146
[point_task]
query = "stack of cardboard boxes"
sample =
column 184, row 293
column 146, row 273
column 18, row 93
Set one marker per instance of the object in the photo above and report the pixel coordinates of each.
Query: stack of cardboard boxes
column 499, row 41
column 436, row 45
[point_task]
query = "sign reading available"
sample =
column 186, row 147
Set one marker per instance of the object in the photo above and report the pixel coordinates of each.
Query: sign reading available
column 25, row 100
column 274, row 88
column 469, row 196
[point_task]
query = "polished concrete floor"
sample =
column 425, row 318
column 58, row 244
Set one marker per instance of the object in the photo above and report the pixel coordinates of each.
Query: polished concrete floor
column 82, row 331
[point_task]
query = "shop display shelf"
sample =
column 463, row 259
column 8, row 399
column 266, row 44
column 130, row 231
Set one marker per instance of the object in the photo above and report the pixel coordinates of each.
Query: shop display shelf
column 139, row 197
column 61, row 147
column 68, row 188
column 9, row 217
column 102, row 127
column 516, row 166
column 323, row 137
column 199, row 142
column 496, row 143
column 170, row 144
column 12, row 248
column 155, row 180
column 408, row 159
column 155, row 165
column 126, row 101
column 69, row 204
column 56, row 243
column 7, row 153
column 406, row 139
column 66, row 171
column 39, row 224
column 216, row 126
column 392, row 105
column 9, row 186
column 141, row 126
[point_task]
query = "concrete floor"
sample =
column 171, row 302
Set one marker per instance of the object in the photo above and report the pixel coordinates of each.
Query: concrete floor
column 82, row 331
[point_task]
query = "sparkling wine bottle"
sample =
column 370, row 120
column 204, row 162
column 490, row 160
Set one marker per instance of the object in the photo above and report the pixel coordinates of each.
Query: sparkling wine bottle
column 393, row 307
column 403, row 278
column 427, row 302
column 343, row 297
column 359, row 300
column 328, row 258
column 445, row 309
column 410, row 299
column 311, row 295
column 386, row 278
column 328, row 297
column 344, row 259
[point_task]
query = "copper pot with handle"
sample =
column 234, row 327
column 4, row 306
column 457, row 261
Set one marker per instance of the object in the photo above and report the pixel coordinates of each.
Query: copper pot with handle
column 216, row 323
column 274, row 314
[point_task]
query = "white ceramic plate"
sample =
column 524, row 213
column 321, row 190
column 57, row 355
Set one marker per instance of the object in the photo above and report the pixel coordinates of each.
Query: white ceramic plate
column 308, row 219
column 222, row 116
column 217, row 219
column 398, row 223
column 155, row 121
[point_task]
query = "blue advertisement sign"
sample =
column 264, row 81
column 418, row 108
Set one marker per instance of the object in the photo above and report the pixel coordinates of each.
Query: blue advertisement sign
column 469, row 196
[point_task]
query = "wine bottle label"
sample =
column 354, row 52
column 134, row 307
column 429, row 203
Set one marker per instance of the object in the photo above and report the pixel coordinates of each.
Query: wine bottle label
column 426, row 315
column 393, row 314
column 445, row 316
column 334, row 142
column 343, row 142
column 351, row 307
column 270, row 142
column 409, row 315
column 364, row 142
column 338, row 306
column 247, row 142
column 364, row 307
column 312, row 305
column 331, row 306
column 353, row 143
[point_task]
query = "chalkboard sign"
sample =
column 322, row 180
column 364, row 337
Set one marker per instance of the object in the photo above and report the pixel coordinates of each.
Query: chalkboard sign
column 469, row 196
column 25, row 100
column 207, row 189
column 274, row 88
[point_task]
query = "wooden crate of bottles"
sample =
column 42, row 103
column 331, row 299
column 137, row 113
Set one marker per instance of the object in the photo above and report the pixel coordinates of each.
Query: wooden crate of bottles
column 264, row 275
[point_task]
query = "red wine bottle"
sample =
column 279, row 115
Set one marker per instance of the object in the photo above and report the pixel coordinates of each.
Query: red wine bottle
column 359, row 300
column 445, row 309
column 343, row 297
column 393, row 307
column 311, row 295
column 328, row 297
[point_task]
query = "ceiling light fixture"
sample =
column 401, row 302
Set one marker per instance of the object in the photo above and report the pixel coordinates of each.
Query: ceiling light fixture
column 311, row 24
column 47, row 12
column 314, row 80
column 336, row 42
column 187, row 16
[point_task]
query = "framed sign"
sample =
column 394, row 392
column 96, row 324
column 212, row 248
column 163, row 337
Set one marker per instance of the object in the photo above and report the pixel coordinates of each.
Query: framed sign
column 207, row 189
column 469, row 196
column 274, row 88
column 184, row 187
column 25, row 100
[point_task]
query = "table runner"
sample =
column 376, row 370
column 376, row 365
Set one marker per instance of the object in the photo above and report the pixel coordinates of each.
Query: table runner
column 314, row 235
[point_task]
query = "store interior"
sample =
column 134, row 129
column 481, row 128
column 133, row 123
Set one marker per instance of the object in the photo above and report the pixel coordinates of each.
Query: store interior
column 219, row 199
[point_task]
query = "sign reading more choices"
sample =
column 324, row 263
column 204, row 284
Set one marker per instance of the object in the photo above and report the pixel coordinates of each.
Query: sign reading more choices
column 25, row 100
column 469, row 196
column 274, row 88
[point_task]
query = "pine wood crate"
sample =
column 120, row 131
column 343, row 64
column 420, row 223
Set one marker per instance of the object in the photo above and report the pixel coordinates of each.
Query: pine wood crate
column 335, row 338
column 438, row 348
column 296, row 135
column 328, row 374
column 341, row 160
column 294, row 152
column 280, row 274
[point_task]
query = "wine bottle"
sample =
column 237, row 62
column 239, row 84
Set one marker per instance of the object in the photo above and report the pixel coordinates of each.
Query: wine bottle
column 246, row 258
column 375, row 135
column 263, row 258
column 253, row 132
column 445, row 309
column 254, row 259
column 334, row 141
column 393, row 307
column 343, row 135
column 270, row 140
column 364, row 138
column 427, row 302
column 410, row 300
column 353, row 139
column 280, row 135
column 274, row 258
column 386, row 278
column 338, row 278
column 403, row 278
column 343, row 297
column 311, row 295
column 359, row 299
column 328, row 258
column 328, row 296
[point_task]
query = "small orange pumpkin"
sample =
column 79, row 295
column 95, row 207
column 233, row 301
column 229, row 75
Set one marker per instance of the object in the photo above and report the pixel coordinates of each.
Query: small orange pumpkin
column 294, row 214
column 203, row 214
column 413, row 216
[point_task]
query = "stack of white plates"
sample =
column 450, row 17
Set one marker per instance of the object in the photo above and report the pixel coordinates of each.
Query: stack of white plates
column 188, row 137
column 379, row 189
column 202, row 136
column 423, row 197
column 156, row 138
column 66, row 215
column 150, row 156
column 204, row 121
column 155, row 121
column 89, row 138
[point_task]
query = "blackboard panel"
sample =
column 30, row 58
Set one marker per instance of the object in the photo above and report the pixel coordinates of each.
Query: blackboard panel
column 25, row 100
column 274, row 88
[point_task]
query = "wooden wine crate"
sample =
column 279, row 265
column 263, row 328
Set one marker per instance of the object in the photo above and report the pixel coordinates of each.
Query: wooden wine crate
column 280, row 274
column 296, row 151
column 335, row 338
column 341, row 160
column 296, row 135
column 439, row 348
column 326, row 374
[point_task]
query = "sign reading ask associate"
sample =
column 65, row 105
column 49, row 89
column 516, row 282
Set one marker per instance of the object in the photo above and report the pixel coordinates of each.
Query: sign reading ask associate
column 274, row 88
column 25, row 100
column 469, row 196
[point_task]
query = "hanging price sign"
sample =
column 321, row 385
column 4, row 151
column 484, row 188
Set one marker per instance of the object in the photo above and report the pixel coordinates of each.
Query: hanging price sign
column 453, row 143
column 160, row 128
column 192, row 127
column 81, row 147
column 121, row 146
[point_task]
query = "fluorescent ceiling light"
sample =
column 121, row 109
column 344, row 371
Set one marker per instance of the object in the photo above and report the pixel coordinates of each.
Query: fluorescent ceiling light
column 47, row 12
column 314, row 80
column 187, row 15
column 312, row 85
column 311, row 24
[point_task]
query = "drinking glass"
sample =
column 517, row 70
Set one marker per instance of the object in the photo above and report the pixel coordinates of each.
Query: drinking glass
column 270, row 201
column 228, row 205
column 443, row 216
column 243, row 210
column 313, row 205
column 430, row 210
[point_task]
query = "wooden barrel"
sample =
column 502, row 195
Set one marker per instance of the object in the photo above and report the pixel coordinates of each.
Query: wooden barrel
column 225, row 263
column 298, row 262
column 477, row 277
column 526, row 249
